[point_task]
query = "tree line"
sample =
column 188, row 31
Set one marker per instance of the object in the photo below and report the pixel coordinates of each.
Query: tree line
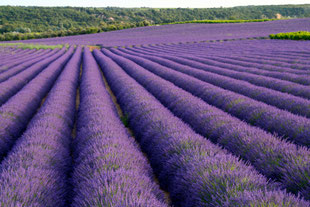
column 17, row 22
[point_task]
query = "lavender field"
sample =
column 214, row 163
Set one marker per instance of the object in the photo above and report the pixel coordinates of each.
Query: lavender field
column 154, row 120
column 180, row 33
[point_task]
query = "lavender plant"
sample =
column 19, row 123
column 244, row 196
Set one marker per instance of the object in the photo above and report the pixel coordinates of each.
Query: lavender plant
column 296, row 105
column 109, row 169
column 296, row 128
column 35, row 172
column 12, row 85
column 19, row 68
column 193, row 170
column 272, row 156
column 18, row 110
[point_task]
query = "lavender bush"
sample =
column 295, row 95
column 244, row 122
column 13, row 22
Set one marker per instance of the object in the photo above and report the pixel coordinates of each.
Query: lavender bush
column 194, row 171
column 232, row 51
column 35, row 171
column 268, row 82
column 296, row 105
column 18, row 110
column 272, row 119
column 25, row 65
column 109, row 168
column 20, row 55
column 15, row 60
column 15, row 83
column 272, row 156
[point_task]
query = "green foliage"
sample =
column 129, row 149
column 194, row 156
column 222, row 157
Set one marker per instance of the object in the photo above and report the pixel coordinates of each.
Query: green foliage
column 73, row 31
column 223, row 21
column 31, row 46
column 42, row 19
column 21, row 23
column 124, row 119
column 300, row 35
column 6, row 28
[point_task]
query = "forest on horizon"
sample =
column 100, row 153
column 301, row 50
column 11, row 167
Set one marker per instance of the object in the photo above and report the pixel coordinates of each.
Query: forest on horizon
column 20, row 22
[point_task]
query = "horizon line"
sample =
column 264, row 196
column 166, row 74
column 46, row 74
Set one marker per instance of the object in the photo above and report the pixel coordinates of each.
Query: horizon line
column 157, row 7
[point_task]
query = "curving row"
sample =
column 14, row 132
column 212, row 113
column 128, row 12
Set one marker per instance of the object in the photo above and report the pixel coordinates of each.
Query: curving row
column 7, row 52
column 19, row 109
column 294, row 104
column 226, row 57
column 260, row 65
column 8, row 57
column 19, row 55
column 266, row 62
column 272, row 83
column 250, row 68
column 293, row 127
column 273, row 157
column 193, row 170
column 299, row 54
column 16, row 61
column 258, row 55
column 282, row 58
column 35, row 171
column 20, row 67
column 15, row 83
column 268, row 82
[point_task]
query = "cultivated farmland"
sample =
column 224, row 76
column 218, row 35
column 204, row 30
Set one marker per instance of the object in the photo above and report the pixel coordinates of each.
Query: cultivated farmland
column 158, row 121
column 180, row 33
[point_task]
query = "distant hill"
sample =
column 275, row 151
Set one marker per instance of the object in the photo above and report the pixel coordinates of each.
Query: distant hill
column 22, row 23
column 42, row 19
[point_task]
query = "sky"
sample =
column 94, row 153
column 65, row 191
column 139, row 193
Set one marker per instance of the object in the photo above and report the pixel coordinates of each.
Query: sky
column 150, row 3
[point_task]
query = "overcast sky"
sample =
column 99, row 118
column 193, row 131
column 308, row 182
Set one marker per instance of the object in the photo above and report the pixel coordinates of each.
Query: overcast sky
column 150, row 3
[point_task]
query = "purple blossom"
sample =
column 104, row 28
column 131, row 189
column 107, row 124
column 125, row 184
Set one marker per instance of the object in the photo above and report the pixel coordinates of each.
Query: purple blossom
column 20, row 108
column 110, row 169
column 34, row 173
column 281, row 100
column 272, row 156
column 26, row 64
column 296, row 128
column 193, row 170
column 15, row 83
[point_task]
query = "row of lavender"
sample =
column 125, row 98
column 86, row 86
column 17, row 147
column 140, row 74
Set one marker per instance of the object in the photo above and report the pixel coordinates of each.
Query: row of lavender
column 109, row 168
column 37, row 169
column 10, row 51
column 257, row 113
column 291, row 90
column 287, row 61
column 276, row 160
column 180, row 157
column 17, row 66
column 186, row 164
column 10, row 57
